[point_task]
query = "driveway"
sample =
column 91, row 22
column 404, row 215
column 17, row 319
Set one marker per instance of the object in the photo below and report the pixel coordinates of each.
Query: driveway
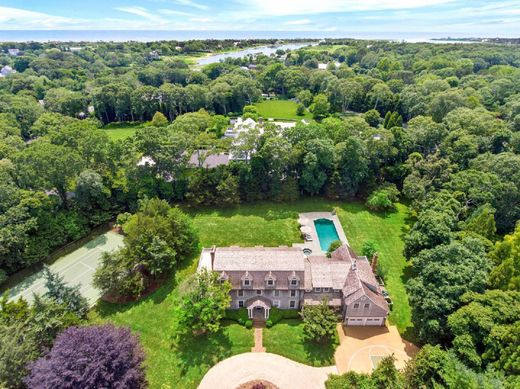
column 284, row 373
column 361, row 348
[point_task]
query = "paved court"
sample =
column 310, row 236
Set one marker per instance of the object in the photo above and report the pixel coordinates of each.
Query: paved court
column 284, row 373
column 362, row 348
column 76, row 268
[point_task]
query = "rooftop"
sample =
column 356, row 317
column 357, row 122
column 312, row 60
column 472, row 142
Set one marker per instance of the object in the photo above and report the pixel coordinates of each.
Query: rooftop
column 259, row 259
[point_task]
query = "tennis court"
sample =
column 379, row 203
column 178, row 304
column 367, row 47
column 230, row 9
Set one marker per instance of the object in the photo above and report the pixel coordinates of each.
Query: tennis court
column 76, row 268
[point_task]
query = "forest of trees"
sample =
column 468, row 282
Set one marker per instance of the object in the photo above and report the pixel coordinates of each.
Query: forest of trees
column 437, row 125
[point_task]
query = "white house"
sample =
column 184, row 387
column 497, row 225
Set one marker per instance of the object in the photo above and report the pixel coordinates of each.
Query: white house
column 6, row 70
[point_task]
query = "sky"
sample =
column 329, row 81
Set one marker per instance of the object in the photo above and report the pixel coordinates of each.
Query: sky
column 469, row 18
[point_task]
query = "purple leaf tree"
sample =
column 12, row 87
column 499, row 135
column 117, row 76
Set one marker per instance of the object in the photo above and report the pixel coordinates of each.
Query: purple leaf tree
column 90, row 357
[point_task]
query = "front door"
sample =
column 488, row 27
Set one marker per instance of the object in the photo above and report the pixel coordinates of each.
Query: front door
column 259, row 313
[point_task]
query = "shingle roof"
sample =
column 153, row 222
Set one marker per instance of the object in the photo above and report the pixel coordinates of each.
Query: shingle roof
column 211, row 160
column 259, row 259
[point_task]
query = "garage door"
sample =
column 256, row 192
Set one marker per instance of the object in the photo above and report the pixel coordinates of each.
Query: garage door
column 356, row 322
column 374, row 322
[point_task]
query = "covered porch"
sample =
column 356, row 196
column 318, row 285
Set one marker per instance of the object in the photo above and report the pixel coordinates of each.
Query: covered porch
column 258, row 308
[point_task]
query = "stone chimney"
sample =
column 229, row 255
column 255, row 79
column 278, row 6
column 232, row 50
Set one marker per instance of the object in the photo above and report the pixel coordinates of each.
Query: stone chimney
column 373, row 263
column 212, row 254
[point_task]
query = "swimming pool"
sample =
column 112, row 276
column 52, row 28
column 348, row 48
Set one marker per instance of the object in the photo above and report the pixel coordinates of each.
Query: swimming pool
column 326, row 232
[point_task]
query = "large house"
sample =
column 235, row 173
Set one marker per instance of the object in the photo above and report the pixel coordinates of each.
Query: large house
column 290, row 277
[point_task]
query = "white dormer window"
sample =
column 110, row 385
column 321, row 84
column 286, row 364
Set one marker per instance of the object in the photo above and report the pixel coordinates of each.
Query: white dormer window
column 326, row 290
column 270, row 282
column 317, row 290
column 247, row 282
column 294, row 282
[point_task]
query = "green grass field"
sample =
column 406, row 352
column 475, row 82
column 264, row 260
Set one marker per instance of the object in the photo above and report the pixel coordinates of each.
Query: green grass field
column 268, row 224
column 286, row 339
column 120, row 131
column 280, row 109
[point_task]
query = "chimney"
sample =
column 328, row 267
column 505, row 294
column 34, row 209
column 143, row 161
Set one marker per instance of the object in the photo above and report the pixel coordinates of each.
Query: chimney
column 212, row 254
column 373, row 263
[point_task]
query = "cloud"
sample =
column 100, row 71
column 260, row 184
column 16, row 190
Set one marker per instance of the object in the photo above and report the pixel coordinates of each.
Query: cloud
column 202, row 20
column 23, row 19
column 301, row 22
column 143, row 12
column 307, row 7
column 190, row 3
column 171, row 12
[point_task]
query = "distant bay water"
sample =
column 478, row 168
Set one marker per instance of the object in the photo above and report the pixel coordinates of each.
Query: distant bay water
column 157, row 35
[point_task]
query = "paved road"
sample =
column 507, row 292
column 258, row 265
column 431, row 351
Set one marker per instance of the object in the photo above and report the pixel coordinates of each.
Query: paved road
column 284, row 373
column 76, row 268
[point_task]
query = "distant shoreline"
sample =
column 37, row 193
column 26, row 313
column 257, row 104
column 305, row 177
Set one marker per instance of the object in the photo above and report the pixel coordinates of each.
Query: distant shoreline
column 180, row 35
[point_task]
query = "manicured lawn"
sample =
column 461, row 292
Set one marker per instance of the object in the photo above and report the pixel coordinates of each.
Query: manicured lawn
column 286, row 339
column 120, row 131
column 280, row 109
column 268, row 224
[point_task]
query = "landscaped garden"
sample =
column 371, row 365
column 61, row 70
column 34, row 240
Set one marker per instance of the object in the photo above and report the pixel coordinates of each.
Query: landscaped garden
column 268, row 224
column 280, row 109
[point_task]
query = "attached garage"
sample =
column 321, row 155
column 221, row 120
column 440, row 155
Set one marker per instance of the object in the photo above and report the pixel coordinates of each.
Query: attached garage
column 365, row 321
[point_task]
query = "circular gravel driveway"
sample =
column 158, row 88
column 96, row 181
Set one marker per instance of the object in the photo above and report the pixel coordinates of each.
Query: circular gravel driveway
column 284, row 373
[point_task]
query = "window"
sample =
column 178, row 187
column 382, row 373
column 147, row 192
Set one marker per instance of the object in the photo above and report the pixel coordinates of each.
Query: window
column 276, row 303
column 317, row 290
column 367, row 306
column 247, row 282
column 258, row 292
column 276, row 293
column 240, row 293
column 326, row 290
column 292, row 304
column 270, row 282
column 294, row 281
column 240, row 303
column 293, row 293
column 356, row 306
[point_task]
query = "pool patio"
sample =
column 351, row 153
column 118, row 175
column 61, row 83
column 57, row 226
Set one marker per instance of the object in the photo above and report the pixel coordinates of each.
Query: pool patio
column 308, row 229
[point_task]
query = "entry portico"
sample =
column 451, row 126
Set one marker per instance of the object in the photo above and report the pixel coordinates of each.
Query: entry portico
column 257, row 303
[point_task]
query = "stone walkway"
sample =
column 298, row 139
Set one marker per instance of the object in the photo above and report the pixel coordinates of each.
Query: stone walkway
column 282, row 372
column 258, row 347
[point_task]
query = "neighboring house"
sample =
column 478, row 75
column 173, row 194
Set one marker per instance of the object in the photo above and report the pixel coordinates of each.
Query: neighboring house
column 6, row 70
column 290, row 277
column 238, row 126
column 154, row 55
column 13, row 52
column 201, row 158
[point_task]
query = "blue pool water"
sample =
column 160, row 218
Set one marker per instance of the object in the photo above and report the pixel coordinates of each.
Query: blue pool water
column 326, row 232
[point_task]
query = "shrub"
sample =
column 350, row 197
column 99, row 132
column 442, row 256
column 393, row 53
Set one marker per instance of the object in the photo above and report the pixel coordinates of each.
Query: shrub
column 238, row 315
column 61, row 293
column 91, row 357
column 319, row 322
column 268, row 323
column 204, row 305
column 249, row 324
column 159, row 120
column 383, row 199
column 277, row 314
column 300, row 109
column 333, row 246
column 369, row 249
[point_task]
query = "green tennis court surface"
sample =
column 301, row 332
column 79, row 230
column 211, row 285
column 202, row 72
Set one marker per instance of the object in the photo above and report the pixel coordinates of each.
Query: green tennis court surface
column 76, row 268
